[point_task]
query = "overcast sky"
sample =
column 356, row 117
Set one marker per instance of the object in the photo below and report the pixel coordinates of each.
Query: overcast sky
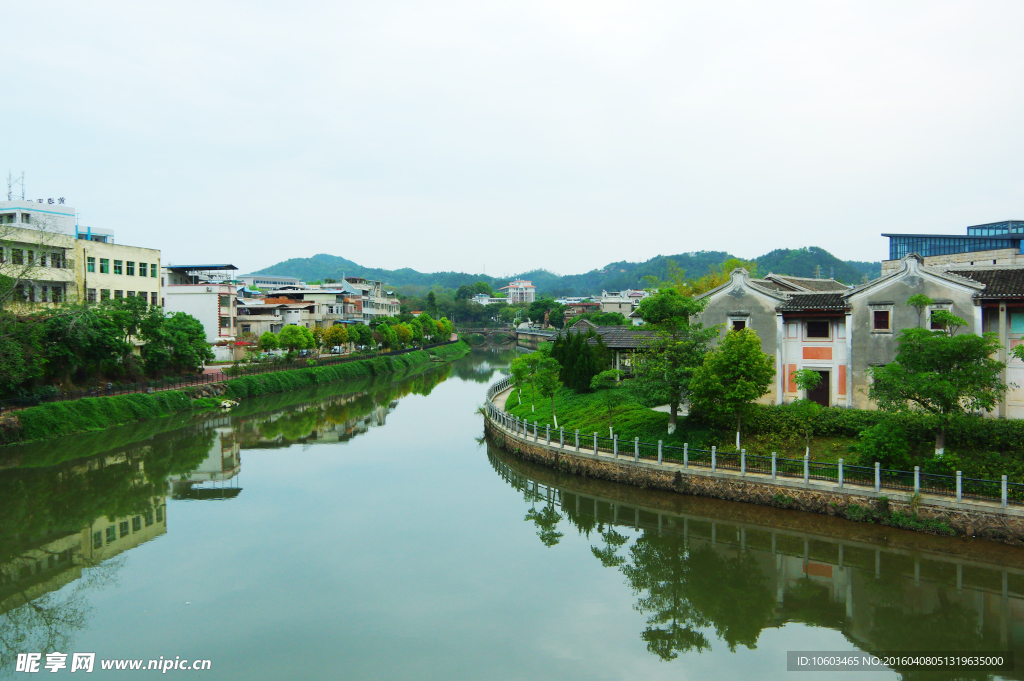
column 509, row 136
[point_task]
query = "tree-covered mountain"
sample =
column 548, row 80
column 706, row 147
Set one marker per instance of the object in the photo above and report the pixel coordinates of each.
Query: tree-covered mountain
column 802, row 262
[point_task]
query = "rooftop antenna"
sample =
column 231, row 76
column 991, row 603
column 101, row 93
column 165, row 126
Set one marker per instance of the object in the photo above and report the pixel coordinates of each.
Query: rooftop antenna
column 11, row 181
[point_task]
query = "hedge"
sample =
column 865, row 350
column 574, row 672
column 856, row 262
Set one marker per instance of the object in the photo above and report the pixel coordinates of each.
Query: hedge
column 96, row 413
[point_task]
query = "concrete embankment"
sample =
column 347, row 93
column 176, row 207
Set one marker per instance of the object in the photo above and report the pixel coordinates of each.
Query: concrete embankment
column 920, row 512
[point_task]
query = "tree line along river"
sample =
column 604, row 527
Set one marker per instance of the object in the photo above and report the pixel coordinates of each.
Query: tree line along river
column 367, row 530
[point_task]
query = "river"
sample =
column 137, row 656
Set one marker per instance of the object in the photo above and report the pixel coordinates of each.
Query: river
column 367, row 531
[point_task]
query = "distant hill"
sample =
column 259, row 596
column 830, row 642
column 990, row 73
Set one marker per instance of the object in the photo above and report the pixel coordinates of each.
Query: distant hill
column 802, row 262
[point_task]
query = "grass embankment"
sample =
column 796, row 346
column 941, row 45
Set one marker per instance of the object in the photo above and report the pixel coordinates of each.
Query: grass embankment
column 97, row 413
column 980, row 447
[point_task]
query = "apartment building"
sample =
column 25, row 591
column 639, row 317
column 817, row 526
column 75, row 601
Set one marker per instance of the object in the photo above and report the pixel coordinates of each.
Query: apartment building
column 520, row 291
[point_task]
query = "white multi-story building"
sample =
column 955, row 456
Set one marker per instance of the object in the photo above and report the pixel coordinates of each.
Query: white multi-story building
column 207, row 293
column 53, row 259
column 520, row 291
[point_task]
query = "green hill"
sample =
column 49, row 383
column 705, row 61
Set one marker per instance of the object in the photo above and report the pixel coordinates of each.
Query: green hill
column 803, row 262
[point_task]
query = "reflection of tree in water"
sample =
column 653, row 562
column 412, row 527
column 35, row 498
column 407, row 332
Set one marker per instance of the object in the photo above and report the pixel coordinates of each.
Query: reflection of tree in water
column 546, row 521
column 48, row 506
column 50, row 622
column 608, row 554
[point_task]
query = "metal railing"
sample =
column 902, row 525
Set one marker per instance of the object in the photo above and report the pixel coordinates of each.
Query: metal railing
column 17, row 403
column 773, row 467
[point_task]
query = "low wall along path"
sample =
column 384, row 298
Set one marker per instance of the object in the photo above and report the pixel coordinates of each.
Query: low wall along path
column 579, row 453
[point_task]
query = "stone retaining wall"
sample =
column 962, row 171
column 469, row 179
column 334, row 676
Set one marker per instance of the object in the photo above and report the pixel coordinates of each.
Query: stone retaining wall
column 997, row 524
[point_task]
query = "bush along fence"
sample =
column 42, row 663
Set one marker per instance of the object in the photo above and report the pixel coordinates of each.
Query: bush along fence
column 111, row 389
column 954, row 494
column 78, row 416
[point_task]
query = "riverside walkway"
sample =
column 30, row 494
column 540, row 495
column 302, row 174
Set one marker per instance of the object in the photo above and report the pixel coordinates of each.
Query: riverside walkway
column 968, row 515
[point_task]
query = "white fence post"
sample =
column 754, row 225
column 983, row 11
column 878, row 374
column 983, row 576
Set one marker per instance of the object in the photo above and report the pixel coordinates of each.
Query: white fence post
column 878, row 477
column 917, row 479
column 1005, row 501
column 595, row 444
column 547, row 429
column 807, row 469
column 743, row 462
column 615, row 446
column 686, row 455
column 561, row 437
column 577, row 439
column 535, row 432
column 636, row 449
column 959, row 485
column 840, row 473
column 659, row 452
column 774, row 457
column 714, row 462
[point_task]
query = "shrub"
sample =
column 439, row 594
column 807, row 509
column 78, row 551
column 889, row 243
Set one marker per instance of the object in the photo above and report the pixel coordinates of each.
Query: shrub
column 885, row 443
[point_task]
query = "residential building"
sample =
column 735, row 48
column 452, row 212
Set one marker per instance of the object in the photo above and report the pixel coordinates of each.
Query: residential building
column 484, row 299
column 841, row 332
column 208, row 293
column 994, row 243
column 269, row 282
column 623, row 302
column 520, row 291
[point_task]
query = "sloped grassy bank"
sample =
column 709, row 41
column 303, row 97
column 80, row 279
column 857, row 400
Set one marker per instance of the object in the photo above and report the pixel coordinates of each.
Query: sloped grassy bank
column 97, row 413
column 980, row 447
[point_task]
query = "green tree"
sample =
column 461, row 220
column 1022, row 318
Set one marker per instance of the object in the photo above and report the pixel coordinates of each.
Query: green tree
column 293, row 337
column 268, row 341
column 404, row 333
column 940, row 373
column 181, row 343
column 431, row 307
column 732, row 376
column 919, row 302
column 609, row 386
column 335, row 336
column 523, row 371
column 546, row 380
column 807, row 380
column 665, row 367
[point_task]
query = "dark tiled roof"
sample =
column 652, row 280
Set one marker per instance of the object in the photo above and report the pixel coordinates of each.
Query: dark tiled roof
column 767, row 283
column 623, row 337
column 816, row 284
column 800, row 302
column 999, row 283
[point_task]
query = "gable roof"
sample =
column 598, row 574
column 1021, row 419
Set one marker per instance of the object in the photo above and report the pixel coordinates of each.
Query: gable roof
column 807, row 283
column 801, row 302
column 999, row 283
column 626, row 337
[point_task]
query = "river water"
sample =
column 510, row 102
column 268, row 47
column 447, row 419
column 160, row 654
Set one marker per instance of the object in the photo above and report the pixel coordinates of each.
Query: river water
column 367, row 531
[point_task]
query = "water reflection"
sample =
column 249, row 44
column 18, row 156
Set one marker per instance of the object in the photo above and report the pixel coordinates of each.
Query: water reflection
column 706, row 572
column 72, row 506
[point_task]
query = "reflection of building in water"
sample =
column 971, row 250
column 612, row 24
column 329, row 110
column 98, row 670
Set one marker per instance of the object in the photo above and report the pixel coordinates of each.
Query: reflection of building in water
column 334, row 419
column 217, row 476
column 881, row 597
column 58, row 561
column 339, row 432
